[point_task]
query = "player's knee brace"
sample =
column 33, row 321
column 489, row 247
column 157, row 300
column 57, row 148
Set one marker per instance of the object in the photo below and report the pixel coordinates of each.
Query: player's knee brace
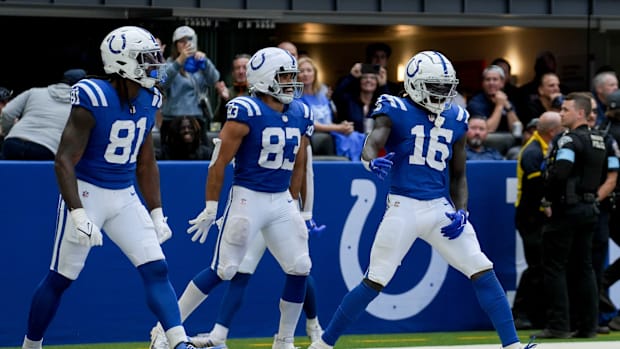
column 237, row 230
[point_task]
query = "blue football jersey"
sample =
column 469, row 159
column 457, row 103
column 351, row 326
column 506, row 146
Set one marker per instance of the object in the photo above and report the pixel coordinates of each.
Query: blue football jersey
column 265, row 159
column 109, row 160
column 423, row 148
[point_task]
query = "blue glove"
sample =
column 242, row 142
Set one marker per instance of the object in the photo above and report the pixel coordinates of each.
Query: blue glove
column 191, row 65
column 454, row 229
column 202, row 63
column 381, row 165
column 313, row 228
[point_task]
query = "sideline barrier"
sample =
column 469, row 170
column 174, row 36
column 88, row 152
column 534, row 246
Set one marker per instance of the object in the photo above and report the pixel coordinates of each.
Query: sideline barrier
column 106, row 304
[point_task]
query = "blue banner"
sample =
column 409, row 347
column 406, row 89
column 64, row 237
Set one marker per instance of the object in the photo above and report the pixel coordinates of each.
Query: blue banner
column 106, row 304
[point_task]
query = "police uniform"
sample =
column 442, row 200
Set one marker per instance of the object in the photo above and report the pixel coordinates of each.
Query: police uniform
column 611, row 127
column 573, row 173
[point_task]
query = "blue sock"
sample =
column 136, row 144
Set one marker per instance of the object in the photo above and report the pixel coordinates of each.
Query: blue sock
column 352, row 305
column 310, row 301
column 232, row 299
column 45, row 303
column 493, row 300
column 160, row 295
column 294, row 288
column 206, row 280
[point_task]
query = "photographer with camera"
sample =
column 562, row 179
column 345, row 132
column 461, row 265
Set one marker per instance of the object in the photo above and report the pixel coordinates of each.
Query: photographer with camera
column 189, row 75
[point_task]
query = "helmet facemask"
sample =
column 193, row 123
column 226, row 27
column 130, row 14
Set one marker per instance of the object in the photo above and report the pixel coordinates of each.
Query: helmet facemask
column 286, row 91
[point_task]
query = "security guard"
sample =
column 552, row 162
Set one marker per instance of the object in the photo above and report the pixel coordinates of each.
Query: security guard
column 611, row 126
column 572, row 177
column 529, row 304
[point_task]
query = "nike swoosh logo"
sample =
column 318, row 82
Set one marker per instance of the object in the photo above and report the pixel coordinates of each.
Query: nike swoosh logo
column 289, row 201
column 87, row 233
column 132, row 193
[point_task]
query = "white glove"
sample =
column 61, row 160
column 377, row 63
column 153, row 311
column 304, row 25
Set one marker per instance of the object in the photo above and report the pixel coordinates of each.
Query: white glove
column 202, row 223
column 161, row 227
column 86, row 232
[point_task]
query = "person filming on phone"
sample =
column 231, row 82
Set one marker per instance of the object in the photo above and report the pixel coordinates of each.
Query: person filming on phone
column 189, row 75
column 356, row 94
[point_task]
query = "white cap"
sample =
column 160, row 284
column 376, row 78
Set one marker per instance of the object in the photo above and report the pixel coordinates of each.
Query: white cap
column 184, row 31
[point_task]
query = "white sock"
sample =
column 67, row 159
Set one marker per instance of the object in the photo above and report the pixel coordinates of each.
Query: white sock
column 516, row 345
column 191, row 298
column 176, row 335
column 289, row 316
column 312, row 323
column 28, row 344
column 219, row 332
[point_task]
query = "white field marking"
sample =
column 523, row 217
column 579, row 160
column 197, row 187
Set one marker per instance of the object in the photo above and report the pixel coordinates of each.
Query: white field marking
column 554, row 345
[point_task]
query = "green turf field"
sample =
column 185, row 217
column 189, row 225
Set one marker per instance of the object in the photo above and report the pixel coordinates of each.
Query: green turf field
column 362, row 341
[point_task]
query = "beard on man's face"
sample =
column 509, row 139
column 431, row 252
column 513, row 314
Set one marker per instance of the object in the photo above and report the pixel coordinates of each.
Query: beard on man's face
column 475, row 142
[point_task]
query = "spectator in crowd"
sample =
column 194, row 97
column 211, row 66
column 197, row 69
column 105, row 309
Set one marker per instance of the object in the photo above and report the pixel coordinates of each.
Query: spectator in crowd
column 545, row 62
column 329, row 138
column 603, row 84
column 189, row 75
column 117, row 112
column 265, row 187
column 419, row 204
column 509, row 88
column 493, row 103
column 290, row 47
column 573, row 174
column 529, row 306
column 476, row 136
column 356, row 94
column 549, row 98
column 39, row 115
column 239, row 86
column 5, row 97
column 528, row 131
column 184, row 141
column 379, row 53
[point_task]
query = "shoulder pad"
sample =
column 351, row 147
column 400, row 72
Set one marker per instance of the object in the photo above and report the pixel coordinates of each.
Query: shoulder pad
column 387, row 101
column 88, row 92
column 242, row 107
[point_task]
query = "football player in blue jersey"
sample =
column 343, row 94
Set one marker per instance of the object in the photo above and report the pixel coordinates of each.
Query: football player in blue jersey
column 105, row 145
column 267, row 134
column 423, row 135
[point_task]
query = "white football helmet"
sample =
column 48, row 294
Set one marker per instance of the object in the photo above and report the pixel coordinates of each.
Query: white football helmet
column 430, row 80
column 265, row 70
column 133, row 53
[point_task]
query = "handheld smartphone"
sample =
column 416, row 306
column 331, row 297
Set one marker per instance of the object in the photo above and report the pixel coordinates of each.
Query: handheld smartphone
column 370, row 68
